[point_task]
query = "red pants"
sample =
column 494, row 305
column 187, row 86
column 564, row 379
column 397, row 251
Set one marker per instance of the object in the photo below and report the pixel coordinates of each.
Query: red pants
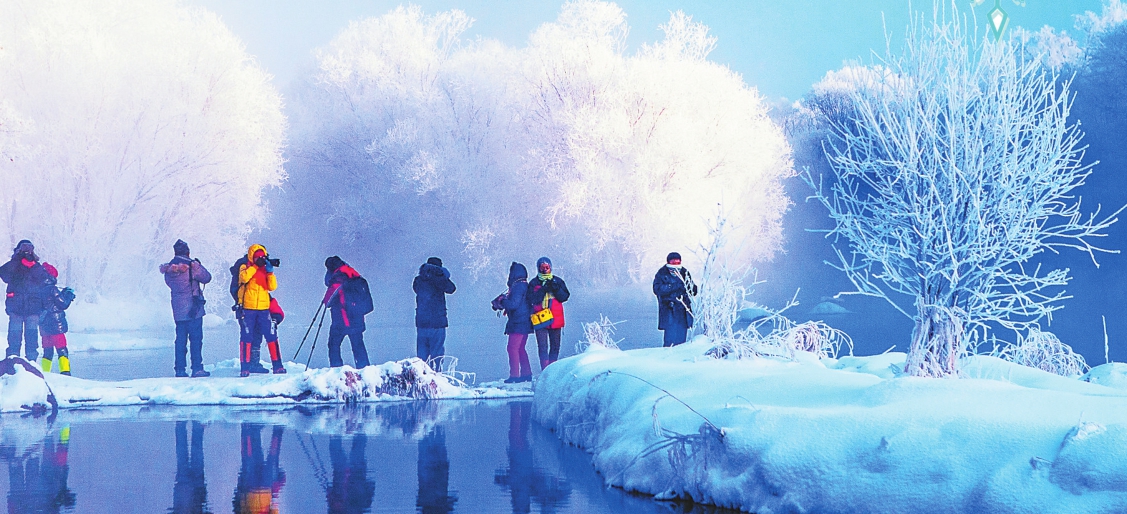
column 58, row 341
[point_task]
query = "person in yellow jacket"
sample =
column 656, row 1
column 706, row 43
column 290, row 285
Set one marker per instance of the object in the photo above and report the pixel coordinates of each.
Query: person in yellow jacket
column 256, row 281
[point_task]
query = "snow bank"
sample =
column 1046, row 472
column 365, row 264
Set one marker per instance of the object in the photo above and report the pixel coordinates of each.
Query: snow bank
column 407, row 379
column 848, row 435
column 23, row 388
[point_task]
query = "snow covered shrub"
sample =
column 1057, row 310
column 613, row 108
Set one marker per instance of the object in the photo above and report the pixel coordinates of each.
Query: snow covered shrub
column 569, row 146
column 125, row 125
column 1044, row 351
column 814, row 337
column 598, row 334
column 953, row 170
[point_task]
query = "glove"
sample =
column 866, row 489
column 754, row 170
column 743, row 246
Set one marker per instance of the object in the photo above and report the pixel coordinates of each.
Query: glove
column 268, row 266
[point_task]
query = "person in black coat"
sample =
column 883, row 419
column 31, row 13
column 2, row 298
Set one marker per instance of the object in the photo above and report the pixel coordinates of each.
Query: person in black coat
column 431, row 287
column 24, row 303
column 548, row 291
column 674, row 287
column 53, row 322
column 517, row 309
column 346, row 321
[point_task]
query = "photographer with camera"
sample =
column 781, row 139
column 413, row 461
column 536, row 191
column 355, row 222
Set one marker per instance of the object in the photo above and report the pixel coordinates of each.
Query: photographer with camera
column 185, row 276
column 24, row 303
column 674, row 288
column 256, row 281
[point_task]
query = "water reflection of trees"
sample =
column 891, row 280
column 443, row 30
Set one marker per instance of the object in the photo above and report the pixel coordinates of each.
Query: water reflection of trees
column 525, row 481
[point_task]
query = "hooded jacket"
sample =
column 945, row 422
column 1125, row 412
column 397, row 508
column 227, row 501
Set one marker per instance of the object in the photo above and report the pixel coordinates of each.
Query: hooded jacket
column 431, row 287
column 516, row 305
column 255, row 284
column 184, row 276
column 26, row 290
column 343, row 320
column 54, row 320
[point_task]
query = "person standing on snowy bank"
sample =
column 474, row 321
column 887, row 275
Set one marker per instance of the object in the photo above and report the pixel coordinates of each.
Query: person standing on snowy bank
column 256, row 281
column 431, row 287
column 24, row 303
column 674, row 287
column 348, row 300
column 515, row 304
column 53, row 322
column 184, row 277
column 547, row 292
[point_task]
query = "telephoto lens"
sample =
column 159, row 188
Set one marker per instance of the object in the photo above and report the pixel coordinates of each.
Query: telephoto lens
column 275, row 262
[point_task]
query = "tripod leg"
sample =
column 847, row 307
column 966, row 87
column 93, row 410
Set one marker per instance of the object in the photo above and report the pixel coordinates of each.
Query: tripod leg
column 315, row 336
column 311, row 322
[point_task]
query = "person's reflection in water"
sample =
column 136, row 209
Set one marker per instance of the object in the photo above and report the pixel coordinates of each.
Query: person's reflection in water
column 39, row 484
column 189, row 493
column 260, row 478
column 524, row 481
column 434, row 474
column 351, row 491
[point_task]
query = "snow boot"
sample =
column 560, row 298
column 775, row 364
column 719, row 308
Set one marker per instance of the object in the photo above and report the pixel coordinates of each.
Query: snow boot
column 199, row 373
column 45, row 364
column 255, row 365
column 64, row 361
column 512, row 380
column 276, row 357
column 181, row 373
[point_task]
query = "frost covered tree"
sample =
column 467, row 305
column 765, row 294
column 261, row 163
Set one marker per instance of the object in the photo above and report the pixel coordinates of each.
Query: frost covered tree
column 568, row 146
column 954, row 170
column 126, row 124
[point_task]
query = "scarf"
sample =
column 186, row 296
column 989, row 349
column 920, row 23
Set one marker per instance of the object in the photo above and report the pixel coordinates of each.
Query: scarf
column 545, row 278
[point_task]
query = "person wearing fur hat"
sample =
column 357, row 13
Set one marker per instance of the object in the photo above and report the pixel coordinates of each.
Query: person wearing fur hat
column 53, row 322
column 548, row 291
column 184, row 277
column 348, row 300
column 674, row 288
column 431, row 287
column 24, row 303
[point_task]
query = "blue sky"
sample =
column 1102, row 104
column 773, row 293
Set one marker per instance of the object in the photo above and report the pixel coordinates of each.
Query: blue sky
column 781, row 47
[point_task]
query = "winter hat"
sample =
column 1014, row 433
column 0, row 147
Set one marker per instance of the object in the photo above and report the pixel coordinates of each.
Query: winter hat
column 517, row 271
column 51, row 270
column 672, row 255
column 334, row 263
column 435, row 261
column 180, row 247
column 21, row 245
column 543, row 260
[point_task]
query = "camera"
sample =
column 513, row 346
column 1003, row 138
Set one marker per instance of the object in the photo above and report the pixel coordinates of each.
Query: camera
column 261, row 261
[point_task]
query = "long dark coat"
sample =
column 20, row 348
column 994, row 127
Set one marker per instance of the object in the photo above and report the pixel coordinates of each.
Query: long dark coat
column 516, row 305
column 674, row 304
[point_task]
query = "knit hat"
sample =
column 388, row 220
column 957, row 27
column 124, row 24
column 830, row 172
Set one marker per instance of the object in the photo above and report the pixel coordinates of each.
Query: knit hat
column 51, row 270
column 180, row 247
column 334, row 263
column 541, row 261
column 672, row 255
column 435, row 261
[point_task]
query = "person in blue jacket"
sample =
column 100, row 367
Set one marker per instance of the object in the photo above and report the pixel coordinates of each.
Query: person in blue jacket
column 674, row 288
column 515, row 304
column 431, row 287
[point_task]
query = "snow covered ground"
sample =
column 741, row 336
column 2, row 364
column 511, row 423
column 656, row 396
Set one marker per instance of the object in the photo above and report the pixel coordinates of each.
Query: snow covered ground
column 848, row 435
column 408, row 379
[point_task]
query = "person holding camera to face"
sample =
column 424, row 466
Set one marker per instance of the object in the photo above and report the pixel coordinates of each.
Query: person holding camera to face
column 185, row 276
column 256, row 281
column 24, row 302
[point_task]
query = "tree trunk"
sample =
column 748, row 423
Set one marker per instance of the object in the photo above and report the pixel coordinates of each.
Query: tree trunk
column 937, row 342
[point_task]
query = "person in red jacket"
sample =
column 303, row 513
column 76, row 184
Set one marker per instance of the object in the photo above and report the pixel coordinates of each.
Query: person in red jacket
column 348, row 300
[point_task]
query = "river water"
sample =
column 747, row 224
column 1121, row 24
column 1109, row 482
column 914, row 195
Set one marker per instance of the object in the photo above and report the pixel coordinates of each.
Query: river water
column 424, row 456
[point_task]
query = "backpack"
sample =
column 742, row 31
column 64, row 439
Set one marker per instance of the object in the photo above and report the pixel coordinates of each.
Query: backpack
column 357, row 297
column 235, row 278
